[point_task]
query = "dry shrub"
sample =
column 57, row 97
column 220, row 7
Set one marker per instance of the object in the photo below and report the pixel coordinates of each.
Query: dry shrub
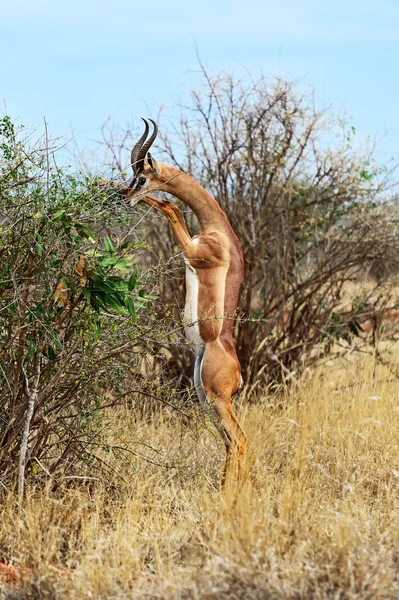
column 311, row 211
column 76, row 317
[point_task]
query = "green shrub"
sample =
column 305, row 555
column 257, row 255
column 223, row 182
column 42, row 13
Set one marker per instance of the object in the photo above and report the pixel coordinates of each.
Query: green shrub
column 75, row 309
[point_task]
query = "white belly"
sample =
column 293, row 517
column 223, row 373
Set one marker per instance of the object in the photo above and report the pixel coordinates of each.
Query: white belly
column 191, row 328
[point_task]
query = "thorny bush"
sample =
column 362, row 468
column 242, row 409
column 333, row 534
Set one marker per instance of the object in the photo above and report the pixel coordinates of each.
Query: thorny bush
column 311, row 212
column 76, row 316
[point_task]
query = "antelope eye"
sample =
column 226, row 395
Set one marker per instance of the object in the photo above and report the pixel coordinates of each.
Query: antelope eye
column 140, row 182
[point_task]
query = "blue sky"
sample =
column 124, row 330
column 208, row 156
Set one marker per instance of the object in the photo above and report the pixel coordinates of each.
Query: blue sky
column 79, row 62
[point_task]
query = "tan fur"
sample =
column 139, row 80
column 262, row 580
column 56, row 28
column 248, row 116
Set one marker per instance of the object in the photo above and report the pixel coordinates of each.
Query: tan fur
column 216, row 257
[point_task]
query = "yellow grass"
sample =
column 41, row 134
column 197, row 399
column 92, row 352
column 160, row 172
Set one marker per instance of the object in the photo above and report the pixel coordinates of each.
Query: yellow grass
column 318, row 517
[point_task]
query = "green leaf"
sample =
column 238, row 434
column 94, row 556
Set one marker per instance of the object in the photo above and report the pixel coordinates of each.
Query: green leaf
column 85, row 232
column 367, row 176
column 108, row 262
column 133, row 279
column 144, row 299
column 117, row 304
column 100, row 284
column 118, row 283
column 58, row 215
column 122, row 264
column 31, row 351
column 98, row 300
column 49, row 353
column 54, row 339
column 62, row 217
column 96, row 304
column 130, row 306
column 109, row 284
column 108, row 244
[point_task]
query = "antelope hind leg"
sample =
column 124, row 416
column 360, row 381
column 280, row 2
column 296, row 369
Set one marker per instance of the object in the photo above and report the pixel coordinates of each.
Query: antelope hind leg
column 220, row 379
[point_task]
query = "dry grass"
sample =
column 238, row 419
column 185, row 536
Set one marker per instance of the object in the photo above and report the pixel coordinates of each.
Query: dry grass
column 318, row 517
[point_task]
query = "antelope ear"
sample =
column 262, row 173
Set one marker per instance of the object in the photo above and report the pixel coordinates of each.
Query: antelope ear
column 152, row 163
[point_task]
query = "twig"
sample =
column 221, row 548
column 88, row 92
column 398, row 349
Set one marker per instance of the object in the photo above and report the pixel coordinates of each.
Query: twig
column 29, row 413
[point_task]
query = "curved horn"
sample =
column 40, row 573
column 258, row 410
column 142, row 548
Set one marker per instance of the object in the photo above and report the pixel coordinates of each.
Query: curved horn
column 134, row 157
column 148, row 144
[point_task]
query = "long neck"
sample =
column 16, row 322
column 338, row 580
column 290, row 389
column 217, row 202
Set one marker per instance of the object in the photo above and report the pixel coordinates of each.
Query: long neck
column 206, row 209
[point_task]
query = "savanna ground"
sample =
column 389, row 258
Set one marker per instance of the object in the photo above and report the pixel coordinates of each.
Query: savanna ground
column 317, row 518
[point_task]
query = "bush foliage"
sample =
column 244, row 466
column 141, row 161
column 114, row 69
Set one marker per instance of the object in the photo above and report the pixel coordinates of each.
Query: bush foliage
column 76, row 310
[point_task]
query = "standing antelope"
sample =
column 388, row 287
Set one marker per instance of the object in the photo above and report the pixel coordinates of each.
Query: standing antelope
column 214, row 270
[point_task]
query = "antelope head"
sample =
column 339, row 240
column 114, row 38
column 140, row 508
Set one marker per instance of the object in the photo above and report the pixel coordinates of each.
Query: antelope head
column 145, row 168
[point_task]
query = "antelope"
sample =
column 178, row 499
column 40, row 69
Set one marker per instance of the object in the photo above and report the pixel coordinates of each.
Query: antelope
column 214, row 270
